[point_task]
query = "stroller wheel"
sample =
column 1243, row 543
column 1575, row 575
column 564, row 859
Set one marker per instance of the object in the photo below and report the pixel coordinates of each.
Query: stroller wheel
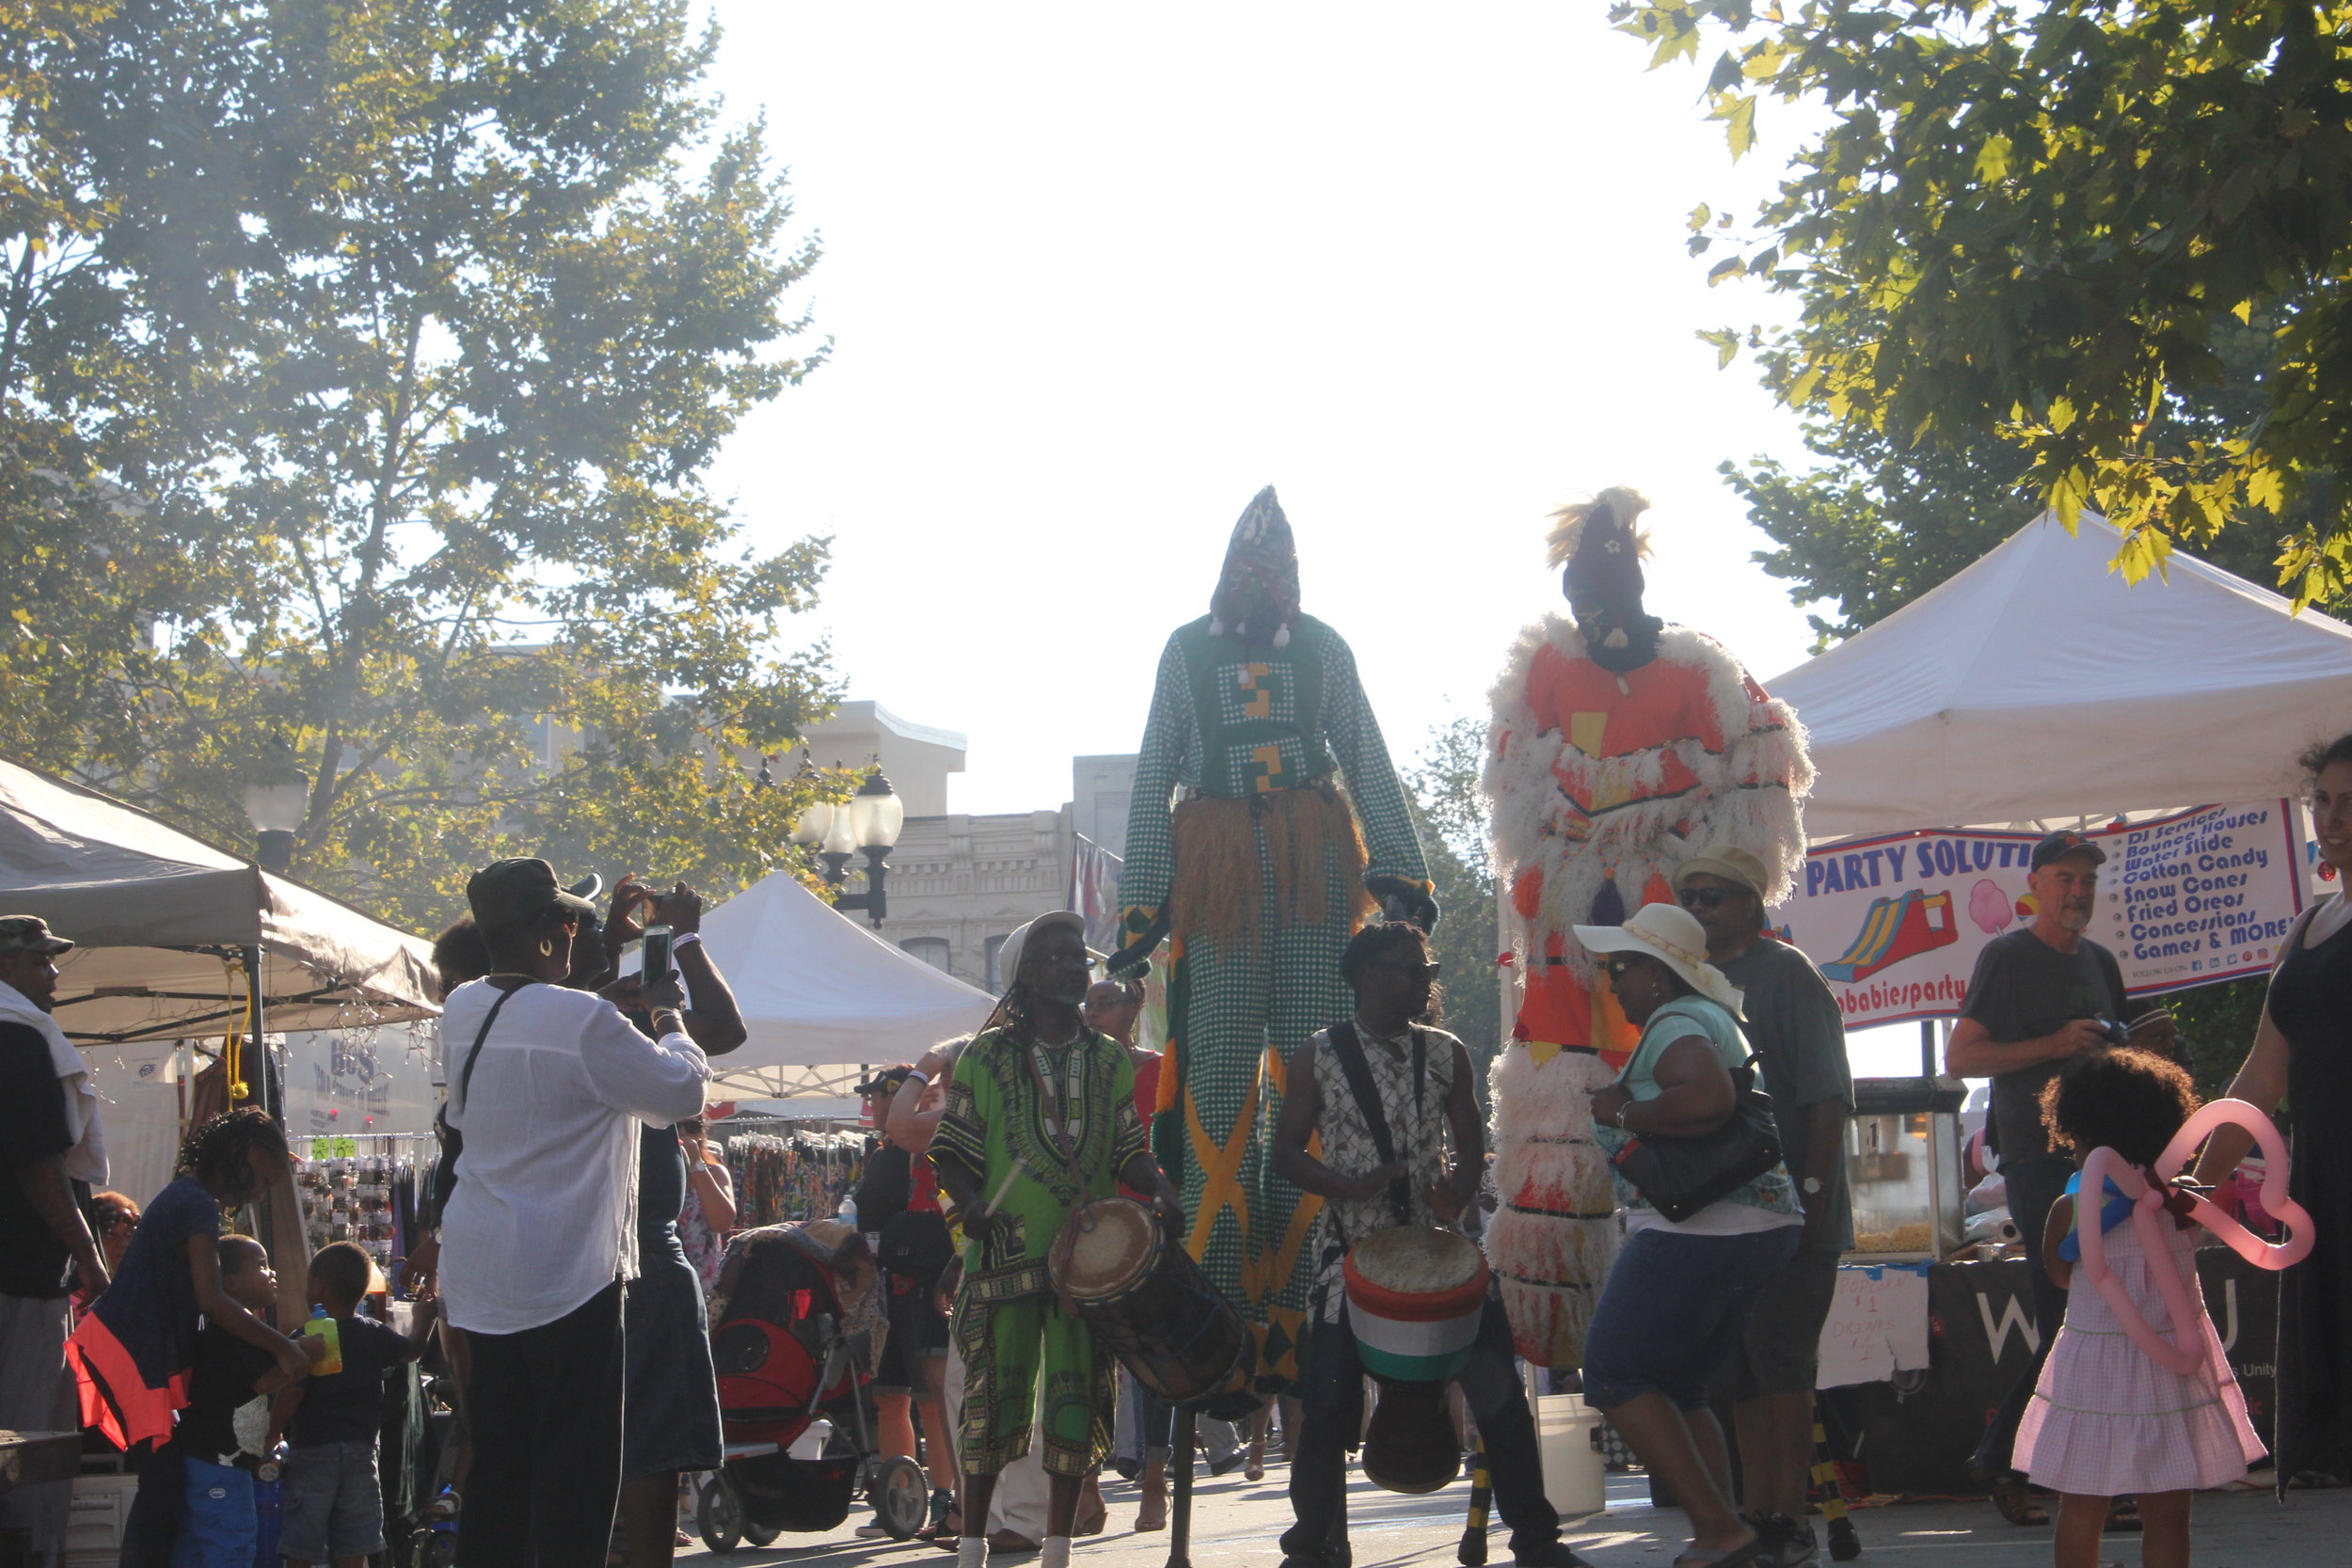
column 719, row 1514
column 901, row 1495
column 759, row 1535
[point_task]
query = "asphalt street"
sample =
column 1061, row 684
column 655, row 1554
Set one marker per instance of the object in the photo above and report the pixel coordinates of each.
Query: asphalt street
column 1238, row 1522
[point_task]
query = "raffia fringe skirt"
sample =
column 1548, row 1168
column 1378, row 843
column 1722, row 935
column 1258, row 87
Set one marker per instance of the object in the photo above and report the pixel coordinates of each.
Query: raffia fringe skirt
column 1297, row 850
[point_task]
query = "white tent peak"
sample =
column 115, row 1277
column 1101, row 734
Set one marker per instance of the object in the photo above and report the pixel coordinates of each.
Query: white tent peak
column 816, row 989
column 2037, row 683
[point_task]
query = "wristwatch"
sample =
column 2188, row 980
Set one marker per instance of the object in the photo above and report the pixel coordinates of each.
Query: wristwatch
column 1812, row 1186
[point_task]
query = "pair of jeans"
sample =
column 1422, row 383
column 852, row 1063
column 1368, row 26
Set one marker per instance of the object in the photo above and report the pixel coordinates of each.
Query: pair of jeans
column 1673, row 1310
column 544, row 1406
column 2035, row 1185
column 1334, row 1404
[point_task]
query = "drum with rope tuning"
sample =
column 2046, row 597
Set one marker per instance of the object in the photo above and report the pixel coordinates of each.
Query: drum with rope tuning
column 1146, row 1300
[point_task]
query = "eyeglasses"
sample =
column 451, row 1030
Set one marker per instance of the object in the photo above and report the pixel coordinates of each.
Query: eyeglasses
column 1418, row 972
column 1708, row 897
column 1619, row 968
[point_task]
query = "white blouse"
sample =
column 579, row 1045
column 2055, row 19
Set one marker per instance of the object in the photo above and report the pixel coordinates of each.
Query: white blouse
column 544, row 1212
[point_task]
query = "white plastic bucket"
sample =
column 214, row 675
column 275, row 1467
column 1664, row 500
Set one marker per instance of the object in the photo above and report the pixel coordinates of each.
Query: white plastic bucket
column 1567, row 1434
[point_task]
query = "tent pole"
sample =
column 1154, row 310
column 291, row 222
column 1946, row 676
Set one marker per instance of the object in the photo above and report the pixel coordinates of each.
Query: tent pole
column 1927, row 1068
column 265, row 1090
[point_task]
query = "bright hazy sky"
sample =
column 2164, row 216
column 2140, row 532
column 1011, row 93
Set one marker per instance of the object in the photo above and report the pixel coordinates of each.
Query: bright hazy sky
column 1096, row 273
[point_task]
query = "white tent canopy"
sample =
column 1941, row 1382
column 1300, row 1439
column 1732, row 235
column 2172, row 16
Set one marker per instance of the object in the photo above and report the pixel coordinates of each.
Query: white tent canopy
column 2037, row 685
column 157, row 912
column 818, row 992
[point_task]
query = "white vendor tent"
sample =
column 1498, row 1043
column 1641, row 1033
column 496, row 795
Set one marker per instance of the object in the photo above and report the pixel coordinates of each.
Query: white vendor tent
column 159, row 913
column 822, row 996
column 2037, row 685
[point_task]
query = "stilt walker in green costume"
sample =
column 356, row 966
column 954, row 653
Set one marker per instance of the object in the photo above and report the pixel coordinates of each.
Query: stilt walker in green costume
column 1291, row 825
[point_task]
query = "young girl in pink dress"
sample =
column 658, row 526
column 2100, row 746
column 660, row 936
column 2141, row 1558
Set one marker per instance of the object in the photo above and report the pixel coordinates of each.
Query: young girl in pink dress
column 2107, row 1420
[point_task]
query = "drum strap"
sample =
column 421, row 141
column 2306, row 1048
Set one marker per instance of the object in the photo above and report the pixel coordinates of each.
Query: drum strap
column 1349, row 1047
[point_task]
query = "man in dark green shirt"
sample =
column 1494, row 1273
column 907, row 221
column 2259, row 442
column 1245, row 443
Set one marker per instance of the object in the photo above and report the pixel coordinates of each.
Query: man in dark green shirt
column 1793, row 1024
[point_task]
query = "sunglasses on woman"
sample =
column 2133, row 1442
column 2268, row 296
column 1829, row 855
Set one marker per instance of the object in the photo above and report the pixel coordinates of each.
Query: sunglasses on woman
column 1707, row 897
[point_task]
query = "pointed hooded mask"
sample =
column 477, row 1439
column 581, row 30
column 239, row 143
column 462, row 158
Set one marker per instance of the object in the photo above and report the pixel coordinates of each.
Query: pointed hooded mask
column 1257, row 593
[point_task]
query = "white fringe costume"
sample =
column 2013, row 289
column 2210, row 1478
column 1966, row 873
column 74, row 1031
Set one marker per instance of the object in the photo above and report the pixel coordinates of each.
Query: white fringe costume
column 1598, row 805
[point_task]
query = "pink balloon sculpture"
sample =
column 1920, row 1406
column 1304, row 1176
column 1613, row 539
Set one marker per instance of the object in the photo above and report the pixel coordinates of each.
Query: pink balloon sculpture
column 2152, row 1219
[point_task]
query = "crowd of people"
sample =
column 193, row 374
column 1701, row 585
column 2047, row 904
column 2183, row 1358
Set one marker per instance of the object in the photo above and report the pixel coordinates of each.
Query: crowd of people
column 579, row 1215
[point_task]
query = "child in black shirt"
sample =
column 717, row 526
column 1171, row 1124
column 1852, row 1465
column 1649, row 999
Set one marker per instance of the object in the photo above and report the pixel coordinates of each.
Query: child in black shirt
column 334, row 1503
column 229, row 1426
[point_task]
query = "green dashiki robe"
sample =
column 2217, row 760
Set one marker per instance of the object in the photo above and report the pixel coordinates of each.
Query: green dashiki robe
column 1008, row 1322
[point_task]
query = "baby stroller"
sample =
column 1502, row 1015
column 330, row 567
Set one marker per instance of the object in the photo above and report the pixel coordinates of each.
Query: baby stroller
column 792, row 1302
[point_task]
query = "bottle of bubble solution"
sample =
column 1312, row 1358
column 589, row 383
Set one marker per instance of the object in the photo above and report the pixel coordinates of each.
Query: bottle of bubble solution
column 323, row 1327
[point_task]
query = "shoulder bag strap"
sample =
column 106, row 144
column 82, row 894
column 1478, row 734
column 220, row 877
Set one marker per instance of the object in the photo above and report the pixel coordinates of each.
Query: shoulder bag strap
column 465, row 1074
column 1349, row 1047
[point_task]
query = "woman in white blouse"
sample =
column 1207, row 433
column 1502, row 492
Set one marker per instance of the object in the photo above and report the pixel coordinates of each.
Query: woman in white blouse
column 546, row 1086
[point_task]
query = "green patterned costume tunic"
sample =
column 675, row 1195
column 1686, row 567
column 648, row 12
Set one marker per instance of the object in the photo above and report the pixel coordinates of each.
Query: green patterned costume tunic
column 1007, row 1324
column 1271, row 731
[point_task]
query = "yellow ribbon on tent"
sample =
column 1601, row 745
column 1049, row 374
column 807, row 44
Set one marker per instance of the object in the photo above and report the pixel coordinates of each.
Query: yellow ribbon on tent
column 232, row 1042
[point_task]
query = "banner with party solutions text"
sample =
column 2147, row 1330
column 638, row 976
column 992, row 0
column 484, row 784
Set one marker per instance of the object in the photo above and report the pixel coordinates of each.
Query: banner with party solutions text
column 1896, row 923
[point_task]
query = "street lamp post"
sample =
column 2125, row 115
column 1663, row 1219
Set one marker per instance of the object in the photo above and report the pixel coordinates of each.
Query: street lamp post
column 276, row 811
column 869, row 822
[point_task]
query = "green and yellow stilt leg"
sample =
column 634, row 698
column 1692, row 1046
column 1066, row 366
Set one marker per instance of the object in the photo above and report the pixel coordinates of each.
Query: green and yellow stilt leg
column 1844, row 1544
column 1472, row 1552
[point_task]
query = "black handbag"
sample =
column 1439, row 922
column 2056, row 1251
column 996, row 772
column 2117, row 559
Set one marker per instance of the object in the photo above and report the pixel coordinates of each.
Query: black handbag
column 1683, row 1176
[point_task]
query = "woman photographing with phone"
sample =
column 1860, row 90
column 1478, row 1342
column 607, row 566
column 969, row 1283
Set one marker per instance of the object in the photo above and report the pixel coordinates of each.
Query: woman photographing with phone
column 548, row 1085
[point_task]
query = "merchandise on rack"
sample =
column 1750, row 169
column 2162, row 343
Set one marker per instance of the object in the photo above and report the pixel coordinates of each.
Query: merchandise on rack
column 786, row 1171
column 363, row 1189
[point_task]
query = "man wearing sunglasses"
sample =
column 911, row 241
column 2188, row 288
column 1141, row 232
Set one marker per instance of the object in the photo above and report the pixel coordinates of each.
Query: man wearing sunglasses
column 1421, row 1167
column 1793, row 1022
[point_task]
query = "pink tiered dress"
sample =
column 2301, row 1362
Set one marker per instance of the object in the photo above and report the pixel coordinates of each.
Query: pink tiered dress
column 2106, row 1419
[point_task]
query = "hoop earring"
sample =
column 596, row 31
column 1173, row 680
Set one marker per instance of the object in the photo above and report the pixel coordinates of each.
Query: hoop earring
column 546, row 947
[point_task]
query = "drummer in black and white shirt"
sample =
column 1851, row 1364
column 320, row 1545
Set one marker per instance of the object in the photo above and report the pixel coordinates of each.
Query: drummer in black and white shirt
column 1423, row 1078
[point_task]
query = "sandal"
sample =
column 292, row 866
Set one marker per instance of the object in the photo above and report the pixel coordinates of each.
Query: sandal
column 2123, row 1516
column 943, row 1508
column 2013, row 1500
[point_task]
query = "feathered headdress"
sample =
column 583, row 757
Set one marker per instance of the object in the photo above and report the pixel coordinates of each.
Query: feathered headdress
column 1602, row 550
column 1613, row 509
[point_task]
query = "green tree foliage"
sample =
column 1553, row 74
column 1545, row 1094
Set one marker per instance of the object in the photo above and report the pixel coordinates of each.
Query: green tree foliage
column 2037, row 224
column 362, row 359
column 1881, row 520
column 1451, row 814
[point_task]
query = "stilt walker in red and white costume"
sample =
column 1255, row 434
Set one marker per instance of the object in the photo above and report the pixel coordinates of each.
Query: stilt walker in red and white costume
column 1621, row 746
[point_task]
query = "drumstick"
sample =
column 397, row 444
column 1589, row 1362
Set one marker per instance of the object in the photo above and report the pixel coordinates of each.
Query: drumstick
column 1472, row 1552
column 1004, row 1187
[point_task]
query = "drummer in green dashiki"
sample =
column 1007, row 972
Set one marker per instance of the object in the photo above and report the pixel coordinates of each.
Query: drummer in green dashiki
column 1040, row 1117
column 1258, row 879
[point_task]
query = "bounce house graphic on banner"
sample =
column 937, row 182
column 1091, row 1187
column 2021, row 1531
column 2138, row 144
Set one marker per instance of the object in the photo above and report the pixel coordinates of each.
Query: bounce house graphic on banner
column 1896, row 929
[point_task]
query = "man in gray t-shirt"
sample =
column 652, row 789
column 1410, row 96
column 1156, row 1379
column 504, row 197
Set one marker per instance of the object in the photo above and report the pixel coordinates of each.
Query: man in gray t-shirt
column 2039, row 997
column 1793, row 1024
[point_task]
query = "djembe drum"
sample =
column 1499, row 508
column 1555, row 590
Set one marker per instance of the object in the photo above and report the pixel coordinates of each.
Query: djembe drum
column 1146, row 1300
column 1414, row 1298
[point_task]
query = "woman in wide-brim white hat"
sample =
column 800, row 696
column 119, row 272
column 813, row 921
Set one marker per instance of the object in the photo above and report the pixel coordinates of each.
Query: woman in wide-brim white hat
column 1679, row 1295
